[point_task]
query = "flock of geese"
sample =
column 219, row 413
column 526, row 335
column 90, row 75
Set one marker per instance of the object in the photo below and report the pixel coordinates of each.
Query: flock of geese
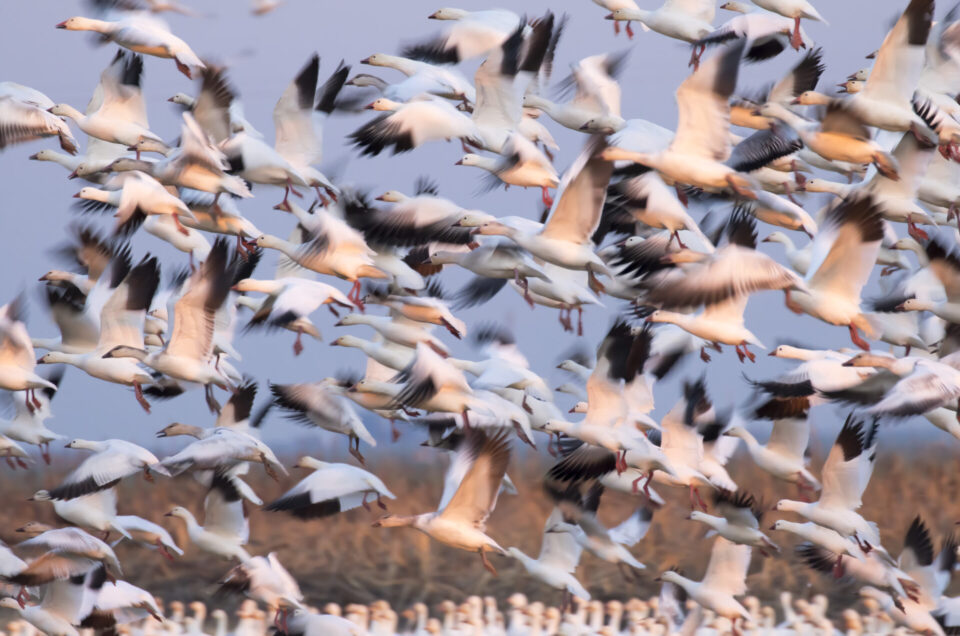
column 622, row 225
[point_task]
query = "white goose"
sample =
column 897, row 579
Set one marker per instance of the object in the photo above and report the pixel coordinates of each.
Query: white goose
column 319, row 404
column 520, row 163
column 111, row 461
column 121, row 323
column 795, row 9
column 686, row 20
column 121, row 117
column 150, row 535
column 17, row 358
column 438, row 79
column 845, row 475
column 470, row 34
column 136, row 195
column 141, row 33
column 225, row 530
column 738, row 520
column 723, row 581
column 22, row 121
column 480, row 464
column 843, row 254
column 410, row 125
column 330, row 489
column 558, row 559
column 29, row 424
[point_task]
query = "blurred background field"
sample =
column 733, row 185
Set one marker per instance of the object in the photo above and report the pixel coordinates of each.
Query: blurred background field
column 343, row 559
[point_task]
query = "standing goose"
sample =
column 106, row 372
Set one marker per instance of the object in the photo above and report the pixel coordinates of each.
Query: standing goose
column 842, row 257
column 141, row 33
column 111, row 461
column 480, row 464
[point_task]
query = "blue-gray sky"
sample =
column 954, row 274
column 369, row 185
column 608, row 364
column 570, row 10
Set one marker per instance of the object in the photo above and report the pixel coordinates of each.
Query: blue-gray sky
column 264, row 53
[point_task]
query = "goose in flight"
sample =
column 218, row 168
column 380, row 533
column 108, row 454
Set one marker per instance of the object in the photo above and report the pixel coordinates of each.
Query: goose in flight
column 461, row 521
column 558, row 559
column 330, row 489
column 111, row 461
column 738, row 521
column 17, row 357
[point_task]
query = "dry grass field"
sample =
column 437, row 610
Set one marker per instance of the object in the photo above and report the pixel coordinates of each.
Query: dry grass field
column 343, row 559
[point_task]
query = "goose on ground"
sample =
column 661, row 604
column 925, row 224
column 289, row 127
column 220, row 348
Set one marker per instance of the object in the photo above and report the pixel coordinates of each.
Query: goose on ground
column 480, row 464
column 141, row 34
column 330, row 489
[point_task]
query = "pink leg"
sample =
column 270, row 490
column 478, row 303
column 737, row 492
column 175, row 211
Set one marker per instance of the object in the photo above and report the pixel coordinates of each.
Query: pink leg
column 629, row 30
column 857, row 340
column 545, row 196
column 45, row 452
column 796, row 41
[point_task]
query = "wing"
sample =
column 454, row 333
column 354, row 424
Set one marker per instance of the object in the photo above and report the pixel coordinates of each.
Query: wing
column 476, row 496
column 703, row 104
column 223, row 510
column 559, row 549
column 582, row 192
column 727, row 569
column 298, row 138
column 97, row 472
column 842, row 472
column 122, row 316
column 789, row 437
column 194, row 313
column 633, row 528
column 802, row 78
column 901, row 56
column 846, row 247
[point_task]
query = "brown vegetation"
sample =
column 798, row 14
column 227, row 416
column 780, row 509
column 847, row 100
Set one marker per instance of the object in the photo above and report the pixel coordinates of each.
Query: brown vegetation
column 343, row 559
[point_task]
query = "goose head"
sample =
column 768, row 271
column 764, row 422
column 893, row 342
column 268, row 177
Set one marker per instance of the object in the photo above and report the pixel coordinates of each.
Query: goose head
column 658, row 315
column 269, row 241
column 671, row 576
column 448, row 13
column 494, row 228
column 83, row 170
column 604, row 125
column 180, row 512
column 392, row 196
column 786, row 505
column 78, row 23
column 383, row 104
column 43, row 155
column 580, row 407
column 626, row 14
column 702, row 517
column 811, row 98
column 738, row 7
column 777, row 237
column 93, row 194
column 82, row 444
column 53, row 357
column 868, row 359
column 364, row 80
column 34, row 528
column 915, row 304
column 613, row 153
column 737, row 431
column 311, row 463
column 126, row 164
column 347, row 341
column 182, row 99
column 178, row 428
column 394, row 521
column 10, row 603
column 255, row 285
column 471, row 159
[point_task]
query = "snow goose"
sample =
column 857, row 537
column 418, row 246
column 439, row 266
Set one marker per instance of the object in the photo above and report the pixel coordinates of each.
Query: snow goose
column 520, row 164
column 290, row 300
column 222, row 449
column 189, row 241
column 842, row 256
column 429, row 308
column 410, row 125
column 216, row 108
column 388, row 354
column 111, row 461
column 29, row 425
column 60, row 610
column 220, row 535
column 565, row 239
column 558, row 559
column 141, row 34
column 480, row 464
column 332, row 247
column 493, row 261
column 768, row 34
column 723, row 283
column 783, row 455
column 298, row 122
column 121, row 323
column 724, row 579
column 470, row 34
column 17, row 358
column 845, row 475
column 68, row 552
column 117, row 604
column 150, row 535
column 409, row 221
column 195, row 164
column 121, row 117
column 318, row 404
column 795, row 9
column 886, row 99
column 798, row 258
column 441, row 79
column 22, row 121
column 579, row 519
column 136, row 195
column 330, row 489
column 913, row 616
column 398, row 330
column 595, row 107
column 686, row 20
column 503, row 78
column 265, row 580
column 97, row 511
column 188, row 353
column 702, row 143
column 840, row 136
column 738, row 521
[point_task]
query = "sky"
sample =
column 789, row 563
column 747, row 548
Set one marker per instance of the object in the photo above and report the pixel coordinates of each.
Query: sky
column 264, row 54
